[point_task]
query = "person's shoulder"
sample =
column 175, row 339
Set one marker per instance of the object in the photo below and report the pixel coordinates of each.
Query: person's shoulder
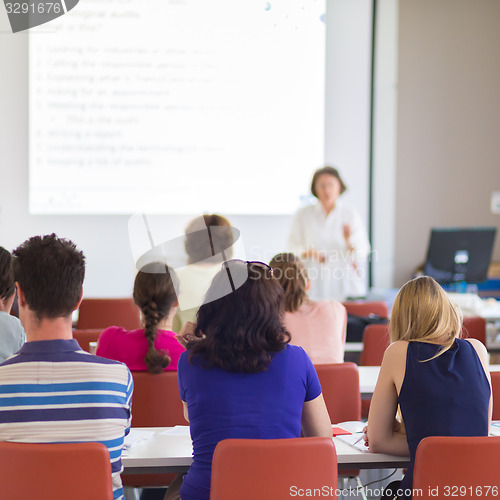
column 168, row 338
column 478, row 346
column 113, row 330
column 396, row 350
column 306, row 210
column 347, row 209
column 293, row 351
column 10, row 321
column 107, row 364
column 333, row 305
column 183, row 360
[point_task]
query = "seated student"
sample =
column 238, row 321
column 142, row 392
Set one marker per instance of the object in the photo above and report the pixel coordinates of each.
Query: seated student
column 207, row 237
column 240, row 378
column 12, row 335
column 153, row 348
column 317, row 326
column 440, row 382
column 61, row 392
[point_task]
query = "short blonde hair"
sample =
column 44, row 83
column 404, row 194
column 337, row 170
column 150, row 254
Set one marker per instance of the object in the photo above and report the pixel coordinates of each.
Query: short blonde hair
column 423, row 312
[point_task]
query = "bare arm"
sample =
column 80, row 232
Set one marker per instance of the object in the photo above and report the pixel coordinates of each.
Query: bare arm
column 185, row 410
column 315, row 418
column 483, row 357
column 383, row 433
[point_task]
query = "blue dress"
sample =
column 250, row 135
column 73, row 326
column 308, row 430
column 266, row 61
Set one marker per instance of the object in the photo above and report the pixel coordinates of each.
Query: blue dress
column 224, row 404
column 447, row 396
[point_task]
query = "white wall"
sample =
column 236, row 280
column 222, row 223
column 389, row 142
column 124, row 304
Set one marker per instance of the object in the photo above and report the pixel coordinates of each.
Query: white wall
column 104, row 239
column 448, row 122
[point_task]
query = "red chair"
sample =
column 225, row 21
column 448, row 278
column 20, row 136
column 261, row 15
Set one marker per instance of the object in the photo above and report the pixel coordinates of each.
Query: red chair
column 495, row 389
column 101, row 313
column 474, row 327
column 84, row 337
column 155, row 403
column 375, row 341
column 272, row 469
column 340, row 386
column 465, row 466
column 80, row 471
column 367, row 307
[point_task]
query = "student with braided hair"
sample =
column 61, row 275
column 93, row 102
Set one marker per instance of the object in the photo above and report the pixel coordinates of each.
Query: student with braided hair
column 153, row 348
column 319, row 327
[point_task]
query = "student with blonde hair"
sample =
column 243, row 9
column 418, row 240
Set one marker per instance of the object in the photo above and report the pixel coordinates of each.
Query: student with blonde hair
column 319, row 327
column 440, row 382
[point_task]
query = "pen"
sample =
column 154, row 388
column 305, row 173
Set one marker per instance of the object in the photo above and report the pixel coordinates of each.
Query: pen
column 358, row 440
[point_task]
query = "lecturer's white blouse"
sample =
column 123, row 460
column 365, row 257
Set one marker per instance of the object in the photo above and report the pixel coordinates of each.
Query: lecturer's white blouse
column 344, row 274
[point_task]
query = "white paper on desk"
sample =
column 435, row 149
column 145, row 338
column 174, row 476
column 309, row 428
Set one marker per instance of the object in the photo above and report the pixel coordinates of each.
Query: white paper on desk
column 495, row 428
column 136, row 436
column 351, row 439
column 352, row 426
column 178, row 430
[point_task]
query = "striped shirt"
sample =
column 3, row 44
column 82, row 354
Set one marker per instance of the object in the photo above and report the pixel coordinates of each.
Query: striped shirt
column 52, row 391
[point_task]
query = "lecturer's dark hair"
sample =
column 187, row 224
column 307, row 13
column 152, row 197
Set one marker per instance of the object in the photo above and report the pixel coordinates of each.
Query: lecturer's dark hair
column 330, row 171
column 7, row 284
column 155, row 293
column 243, row 328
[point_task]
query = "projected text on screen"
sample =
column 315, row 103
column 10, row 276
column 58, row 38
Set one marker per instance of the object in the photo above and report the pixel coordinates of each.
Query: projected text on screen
column 177, row 106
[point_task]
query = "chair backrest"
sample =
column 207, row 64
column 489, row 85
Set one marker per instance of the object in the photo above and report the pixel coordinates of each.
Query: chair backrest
column 474, row 327
column 367, row 307
column 272, row 469
column 101, row 313
column 84, row 337
column 80, row 471
column 465, row 466
column 375, row 341
column 495, row 389
column 340, row 385
column 156, row 401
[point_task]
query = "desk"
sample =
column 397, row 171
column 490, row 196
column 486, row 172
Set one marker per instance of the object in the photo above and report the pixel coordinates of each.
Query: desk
column 173, row 453
column 368, row 376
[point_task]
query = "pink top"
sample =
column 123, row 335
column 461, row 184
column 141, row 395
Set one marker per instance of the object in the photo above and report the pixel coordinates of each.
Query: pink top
column 320, row 329
column 130, row 347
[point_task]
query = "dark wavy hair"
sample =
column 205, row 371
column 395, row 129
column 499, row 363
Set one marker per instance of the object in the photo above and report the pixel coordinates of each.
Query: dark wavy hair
column 241, row 320
column 7, row 284
column 50, row 272
column 291, row 273
column 155, row 293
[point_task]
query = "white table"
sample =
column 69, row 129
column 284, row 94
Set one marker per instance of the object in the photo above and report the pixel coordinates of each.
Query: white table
column 173, row 453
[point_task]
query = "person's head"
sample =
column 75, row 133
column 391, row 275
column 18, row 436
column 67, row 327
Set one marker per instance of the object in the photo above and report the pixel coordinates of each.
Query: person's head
column 291, row 273
column 155, row 293
column 7, row 285
column 49, row 272
column 243, row 327
column 327, row 185
column 423, row 312
column 202, row 244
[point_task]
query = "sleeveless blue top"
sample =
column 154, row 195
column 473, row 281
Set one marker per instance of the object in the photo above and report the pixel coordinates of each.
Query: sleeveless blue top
column 447, row 396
